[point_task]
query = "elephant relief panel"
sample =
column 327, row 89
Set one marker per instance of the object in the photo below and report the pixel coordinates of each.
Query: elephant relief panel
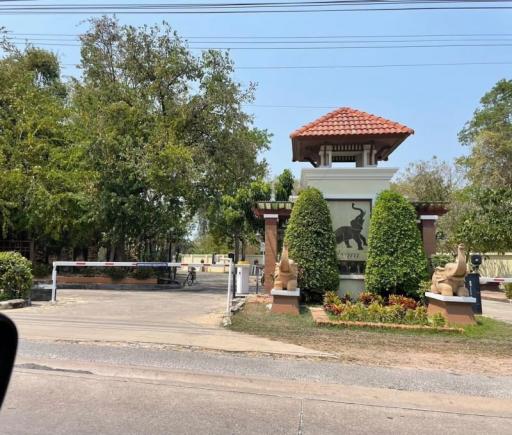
column 350, row 221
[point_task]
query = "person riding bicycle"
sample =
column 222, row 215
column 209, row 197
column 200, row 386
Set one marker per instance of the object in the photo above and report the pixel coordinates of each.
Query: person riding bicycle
column 191, row 276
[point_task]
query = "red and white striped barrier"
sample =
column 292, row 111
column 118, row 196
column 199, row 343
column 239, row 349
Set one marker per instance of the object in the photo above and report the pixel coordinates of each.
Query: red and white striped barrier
column 118, row 264
column 487, row 280
column 131, row 264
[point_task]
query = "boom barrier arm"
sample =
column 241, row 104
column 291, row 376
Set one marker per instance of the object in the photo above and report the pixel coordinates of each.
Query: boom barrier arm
column 116, row 264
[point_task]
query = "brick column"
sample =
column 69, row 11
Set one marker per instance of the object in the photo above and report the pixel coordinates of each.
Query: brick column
column 271, row 221
column 428, row 233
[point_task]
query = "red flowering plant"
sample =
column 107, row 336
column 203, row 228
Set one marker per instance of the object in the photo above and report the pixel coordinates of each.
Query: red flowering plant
column 403, row 301
column 368, row 298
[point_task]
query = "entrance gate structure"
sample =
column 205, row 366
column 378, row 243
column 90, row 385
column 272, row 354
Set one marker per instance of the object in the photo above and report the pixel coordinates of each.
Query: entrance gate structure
column 346, row 136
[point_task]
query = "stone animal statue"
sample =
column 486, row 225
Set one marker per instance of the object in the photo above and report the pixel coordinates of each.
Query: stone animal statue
column 353, row 232
column 449, row 280
column 286, row 273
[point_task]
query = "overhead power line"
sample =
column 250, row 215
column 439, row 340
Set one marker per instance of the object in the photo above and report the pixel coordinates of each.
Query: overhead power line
column 253, row 7
column 306, row 37
column 272, row 106
column 302, row 45
column 372, row 66
column 397, row 65
column 285, row 41
column 330, row 47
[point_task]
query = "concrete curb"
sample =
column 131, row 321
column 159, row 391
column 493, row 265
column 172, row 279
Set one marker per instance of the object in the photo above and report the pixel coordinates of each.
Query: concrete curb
column 12, row 304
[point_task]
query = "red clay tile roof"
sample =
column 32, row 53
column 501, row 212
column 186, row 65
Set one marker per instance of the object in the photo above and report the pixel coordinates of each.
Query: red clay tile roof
column 346, row 121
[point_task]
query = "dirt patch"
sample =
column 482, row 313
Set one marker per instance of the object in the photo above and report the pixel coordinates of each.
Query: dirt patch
column 488, row 350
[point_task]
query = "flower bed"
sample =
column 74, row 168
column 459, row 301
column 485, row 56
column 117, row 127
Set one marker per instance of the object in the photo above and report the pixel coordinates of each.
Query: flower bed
column 321, row 318
column 371, row 308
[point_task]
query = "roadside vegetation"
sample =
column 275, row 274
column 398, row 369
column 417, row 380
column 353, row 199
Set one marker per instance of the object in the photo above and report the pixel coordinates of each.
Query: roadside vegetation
column 369, row 307
column 148, row 141
column 15, row 276
column 489, row 342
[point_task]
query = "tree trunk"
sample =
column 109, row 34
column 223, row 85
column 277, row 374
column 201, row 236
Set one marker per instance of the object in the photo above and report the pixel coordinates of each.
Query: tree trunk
column 112, row 253
column 237, row 248
column 120, row 252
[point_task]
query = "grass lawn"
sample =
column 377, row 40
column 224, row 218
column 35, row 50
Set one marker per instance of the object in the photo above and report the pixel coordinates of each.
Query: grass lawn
column 487, row 345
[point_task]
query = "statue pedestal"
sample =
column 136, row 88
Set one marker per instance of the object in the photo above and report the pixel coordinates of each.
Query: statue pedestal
column 456, row 309
column 285, row 301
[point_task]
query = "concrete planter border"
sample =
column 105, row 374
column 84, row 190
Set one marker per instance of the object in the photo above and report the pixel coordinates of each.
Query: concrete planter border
column 12, row 304
column 321, row 318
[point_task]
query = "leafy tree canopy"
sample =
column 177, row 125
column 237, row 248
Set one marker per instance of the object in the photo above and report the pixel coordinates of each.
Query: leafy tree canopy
column 283, row 185
column 479, row 214
column 126, row 155
column 428, row 181
column 489, row 134
column 234, row 222
column 481, row 219
column 43, row 184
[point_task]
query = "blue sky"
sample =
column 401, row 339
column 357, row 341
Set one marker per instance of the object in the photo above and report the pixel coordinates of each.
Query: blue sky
column 434, row 101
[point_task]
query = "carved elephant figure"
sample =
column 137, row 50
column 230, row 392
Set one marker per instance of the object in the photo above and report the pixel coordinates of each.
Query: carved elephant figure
column 285, row 273
column 449, row 280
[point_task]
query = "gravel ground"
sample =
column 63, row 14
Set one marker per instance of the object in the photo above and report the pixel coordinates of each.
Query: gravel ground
column 258, row 366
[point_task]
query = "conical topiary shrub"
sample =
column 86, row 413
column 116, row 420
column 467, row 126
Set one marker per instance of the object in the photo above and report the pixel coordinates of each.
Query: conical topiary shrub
column 311, row 243
column 396, row 259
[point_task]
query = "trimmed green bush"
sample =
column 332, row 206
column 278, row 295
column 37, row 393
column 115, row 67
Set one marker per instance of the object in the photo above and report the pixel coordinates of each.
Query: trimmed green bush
column 396, row 260
column 116, row 273
column 372, row 308
column 378, row 313
column 508, row 290
column 15, row 275
column 440, row 260
column 41, row 270
column 422, row 289
column 143, row 273
column 310, row 240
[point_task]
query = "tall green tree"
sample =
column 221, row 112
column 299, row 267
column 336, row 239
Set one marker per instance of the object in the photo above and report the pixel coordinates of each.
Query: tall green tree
column 489, row 136
column 479, row 214
column 428, row 181
column 165, row 130
column 283, row 185
column 481, row 218
column 45, row 191
column 234, row 222
column 149, row 137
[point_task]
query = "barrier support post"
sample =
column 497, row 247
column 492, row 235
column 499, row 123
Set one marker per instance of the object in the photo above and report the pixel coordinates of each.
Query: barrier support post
column 54, row 283
column 230, row 288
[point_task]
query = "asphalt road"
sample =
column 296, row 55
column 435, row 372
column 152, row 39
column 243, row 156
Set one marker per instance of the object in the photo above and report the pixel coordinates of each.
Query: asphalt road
column 67, row 388
column 240, row 365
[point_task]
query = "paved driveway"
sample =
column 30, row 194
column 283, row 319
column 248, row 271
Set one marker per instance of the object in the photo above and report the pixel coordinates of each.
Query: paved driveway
column 497, row 310
column 178, row 318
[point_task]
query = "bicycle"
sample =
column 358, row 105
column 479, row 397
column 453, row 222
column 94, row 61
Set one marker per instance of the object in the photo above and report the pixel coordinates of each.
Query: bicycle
column 191, row 277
